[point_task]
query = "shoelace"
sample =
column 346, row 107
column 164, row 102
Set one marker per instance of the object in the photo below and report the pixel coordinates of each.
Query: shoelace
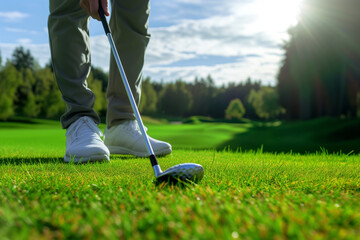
column 89, row 122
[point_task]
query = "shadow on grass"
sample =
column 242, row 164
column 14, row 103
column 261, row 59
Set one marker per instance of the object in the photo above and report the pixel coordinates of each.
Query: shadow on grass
column 22, row 120
column 55, row 160
column 330, row 134
column 30, row 160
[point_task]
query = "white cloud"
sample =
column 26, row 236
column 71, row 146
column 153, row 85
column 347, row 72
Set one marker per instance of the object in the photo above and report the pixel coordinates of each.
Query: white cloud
column 41, row 52
column 227, row 35
column 214, row 36
column 20, row 30
column 100, row 51
column 13, row 16
column 99, row 48
column 24, row 41
column 222, row 73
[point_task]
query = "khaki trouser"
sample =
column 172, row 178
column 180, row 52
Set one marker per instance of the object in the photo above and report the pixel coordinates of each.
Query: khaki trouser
column 70, row 52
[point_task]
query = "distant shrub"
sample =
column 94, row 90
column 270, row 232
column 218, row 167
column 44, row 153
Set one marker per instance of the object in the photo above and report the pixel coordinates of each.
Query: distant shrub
column 235, row 110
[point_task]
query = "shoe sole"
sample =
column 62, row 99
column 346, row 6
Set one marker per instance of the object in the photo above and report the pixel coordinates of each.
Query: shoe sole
column 126, row 151
column 92, row 158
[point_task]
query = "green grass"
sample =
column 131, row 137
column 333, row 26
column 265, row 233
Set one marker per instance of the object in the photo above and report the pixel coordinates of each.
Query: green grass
column 249, row 195
column 334, row 135
column 244, row 194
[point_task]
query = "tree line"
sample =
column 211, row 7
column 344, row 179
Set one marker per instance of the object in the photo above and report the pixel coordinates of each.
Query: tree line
column 31, row 91
column 202, row 97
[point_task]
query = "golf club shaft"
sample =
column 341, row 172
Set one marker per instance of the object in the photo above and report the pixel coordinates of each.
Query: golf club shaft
column 149, row 148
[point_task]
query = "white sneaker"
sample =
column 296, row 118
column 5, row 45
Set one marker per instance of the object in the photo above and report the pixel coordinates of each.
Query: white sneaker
column 83, row 142
column 126, row 138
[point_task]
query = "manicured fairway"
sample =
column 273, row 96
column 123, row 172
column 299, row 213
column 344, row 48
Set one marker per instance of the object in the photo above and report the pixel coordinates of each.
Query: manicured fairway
column 334, row 135
column 244, row 195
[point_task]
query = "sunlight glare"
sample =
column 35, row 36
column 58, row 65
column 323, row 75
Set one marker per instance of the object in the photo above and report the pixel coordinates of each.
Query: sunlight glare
column 277, row 15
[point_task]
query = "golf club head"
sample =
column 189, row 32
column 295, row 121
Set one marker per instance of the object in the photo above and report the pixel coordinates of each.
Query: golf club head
column 186, row 172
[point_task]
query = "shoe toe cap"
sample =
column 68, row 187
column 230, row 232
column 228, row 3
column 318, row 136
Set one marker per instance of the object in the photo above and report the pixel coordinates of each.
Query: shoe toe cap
column 91, row 151
column 160, row 147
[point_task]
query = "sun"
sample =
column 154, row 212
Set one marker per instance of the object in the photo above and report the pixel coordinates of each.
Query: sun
column 277, row 15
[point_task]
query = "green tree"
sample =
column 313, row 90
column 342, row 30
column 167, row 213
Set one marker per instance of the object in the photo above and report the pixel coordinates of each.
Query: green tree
column 265, row 102
column 99, row 74
column 148, row 98
column 223, row 95
column 96, row 86
column 235, row 110
column 175, row 99
column 47, row 94
column 6, row 107
column 25, row 100
column 202, row 91
column 10, row 79
column 25, row 95
column 22, row 59
column 31, row 108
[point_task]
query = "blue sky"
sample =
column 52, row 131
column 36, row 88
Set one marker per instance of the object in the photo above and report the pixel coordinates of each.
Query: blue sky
column 230, row 39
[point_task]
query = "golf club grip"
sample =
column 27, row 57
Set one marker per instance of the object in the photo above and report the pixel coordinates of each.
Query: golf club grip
column 103, row 19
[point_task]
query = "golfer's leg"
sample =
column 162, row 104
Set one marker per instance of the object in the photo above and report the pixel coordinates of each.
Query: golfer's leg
column 129, row 24
column 69, row 44
column 129, row 21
